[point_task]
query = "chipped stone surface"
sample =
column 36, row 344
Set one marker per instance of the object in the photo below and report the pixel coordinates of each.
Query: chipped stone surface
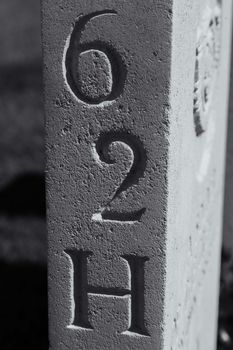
column 134, row 191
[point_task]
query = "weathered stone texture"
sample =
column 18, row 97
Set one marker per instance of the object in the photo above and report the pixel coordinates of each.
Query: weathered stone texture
column 135, row 158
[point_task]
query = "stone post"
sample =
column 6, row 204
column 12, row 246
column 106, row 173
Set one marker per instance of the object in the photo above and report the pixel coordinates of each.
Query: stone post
column 136, row 101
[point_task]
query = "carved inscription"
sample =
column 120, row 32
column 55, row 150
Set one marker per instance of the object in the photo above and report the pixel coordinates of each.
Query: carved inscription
column 206, row 66
column 81, row 290
column 94, row 70
column 107, row 148
column 95, row 74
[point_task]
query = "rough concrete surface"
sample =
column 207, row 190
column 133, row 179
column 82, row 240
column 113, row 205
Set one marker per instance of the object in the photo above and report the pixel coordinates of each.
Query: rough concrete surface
column 135, row 151
column 107, row 159
column 22, row 223
column 196, row 171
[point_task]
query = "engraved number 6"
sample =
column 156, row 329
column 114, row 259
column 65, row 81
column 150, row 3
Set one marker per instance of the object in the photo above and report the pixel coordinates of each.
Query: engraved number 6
column 94, row 70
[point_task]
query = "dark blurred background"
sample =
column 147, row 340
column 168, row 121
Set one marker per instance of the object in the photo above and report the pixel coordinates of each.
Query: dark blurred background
column 23, row 250
column 23, row 293
column 225, row 331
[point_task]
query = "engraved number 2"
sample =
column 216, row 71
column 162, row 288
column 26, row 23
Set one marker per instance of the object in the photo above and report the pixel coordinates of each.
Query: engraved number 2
column 107, row 147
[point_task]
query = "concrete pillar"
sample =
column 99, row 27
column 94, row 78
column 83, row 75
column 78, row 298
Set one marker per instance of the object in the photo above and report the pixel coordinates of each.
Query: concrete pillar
column 136, row 100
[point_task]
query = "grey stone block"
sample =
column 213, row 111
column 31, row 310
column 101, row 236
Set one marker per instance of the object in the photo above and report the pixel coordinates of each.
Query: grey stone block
column 135, row 149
